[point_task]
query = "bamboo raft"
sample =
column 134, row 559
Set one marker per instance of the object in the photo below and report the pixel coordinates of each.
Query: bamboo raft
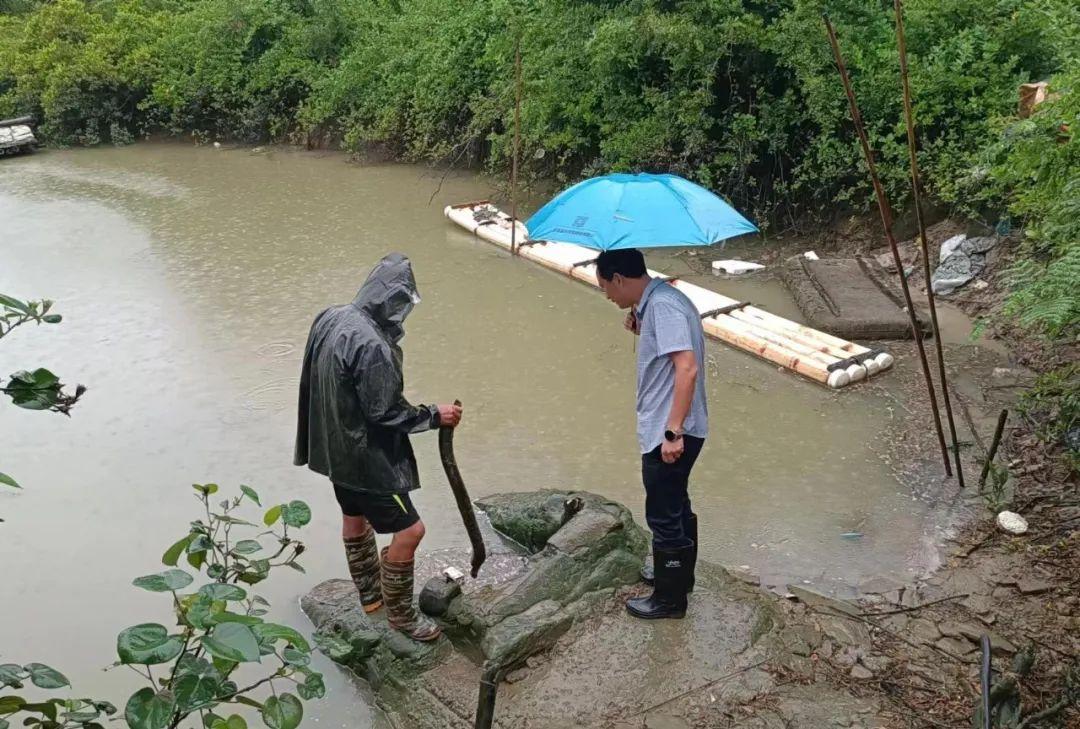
column 811, row 353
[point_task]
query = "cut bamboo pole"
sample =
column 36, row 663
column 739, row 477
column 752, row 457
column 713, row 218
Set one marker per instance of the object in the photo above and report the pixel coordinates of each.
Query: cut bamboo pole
column 886, row 222
column 916, row 193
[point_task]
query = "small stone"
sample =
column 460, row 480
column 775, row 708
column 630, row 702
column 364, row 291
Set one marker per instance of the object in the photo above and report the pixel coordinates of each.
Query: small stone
column 437, row 595
column 932, row 674
column 979, row 604
column 1032, row 586
column 861, row 672
column 877, row 664
column 517, row 675
column 1006, row 580
column 848, row 656
column 924, row 630
column 665, row 721
column 825, row 650
column 824, row 603
column 536, row 661
column 950, row 629
column 956, row 646
column 1011, row 522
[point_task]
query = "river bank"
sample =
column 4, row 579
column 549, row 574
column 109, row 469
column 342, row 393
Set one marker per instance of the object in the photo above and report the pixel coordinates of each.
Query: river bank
column 215, row 260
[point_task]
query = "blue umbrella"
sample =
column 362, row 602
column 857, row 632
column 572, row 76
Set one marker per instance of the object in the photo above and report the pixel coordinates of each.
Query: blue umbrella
column 637, row 211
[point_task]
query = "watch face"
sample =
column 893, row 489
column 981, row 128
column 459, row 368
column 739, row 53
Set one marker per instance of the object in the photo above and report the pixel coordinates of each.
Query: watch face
column 669, row 435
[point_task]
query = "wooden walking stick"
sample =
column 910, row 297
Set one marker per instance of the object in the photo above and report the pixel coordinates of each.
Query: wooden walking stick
column 464, row 504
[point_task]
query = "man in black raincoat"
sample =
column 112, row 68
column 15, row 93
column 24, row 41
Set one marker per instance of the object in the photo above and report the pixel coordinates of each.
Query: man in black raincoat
column 353, row 427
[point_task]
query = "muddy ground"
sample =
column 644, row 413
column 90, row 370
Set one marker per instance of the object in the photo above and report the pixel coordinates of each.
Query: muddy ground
column 921, row 663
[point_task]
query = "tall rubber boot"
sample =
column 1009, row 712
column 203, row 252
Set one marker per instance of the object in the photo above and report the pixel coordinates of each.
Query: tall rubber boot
column 647, row 567
column 668, row 600
column 362, row 555
column 401, row 614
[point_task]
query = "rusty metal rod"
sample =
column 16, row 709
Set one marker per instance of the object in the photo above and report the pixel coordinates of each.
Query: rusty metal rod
column 916, row 186
column 886, row 221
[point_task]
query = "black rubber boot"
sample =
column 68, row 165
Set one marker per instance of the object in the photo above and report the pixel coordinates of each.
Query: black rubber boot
column 668, row 600
column 647, row 568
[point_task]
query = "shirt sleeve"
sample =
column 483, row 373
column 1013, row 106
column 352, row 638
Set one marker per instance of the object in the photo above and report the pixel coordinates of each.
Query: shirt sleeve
column 379, row 388
column 671, row 329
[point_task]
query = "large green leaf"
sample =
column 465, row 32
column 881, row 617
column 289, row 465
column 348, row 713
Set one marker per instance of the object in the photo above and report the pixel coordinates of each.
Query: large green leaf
column 46, row 677
column 167, row 581
column 199, row 543
column 296, row 657
column 333, row 646
column 10, row 704
column 246, row 546
column 197, row 685
column 235, row 721
column 198, row 610
column 275, row 632
column 12, row 674
column 9, row 481
column 13, row 303
column 147, row 644
column 296, row 514
column 283, row 712
column 37, row 390
column 313, row 687
column 250, row 493
column 222, row 591
column 272, row 515
column 172, row 554
column 149, row 710
column 233, row 642
column 224, row 616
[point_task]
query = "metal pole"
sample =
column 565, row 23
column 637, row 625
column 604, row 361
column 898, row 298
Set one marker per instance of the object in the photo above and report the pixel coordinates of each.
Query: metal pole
column 916, row 186
column 886, row 221
column 517, row 144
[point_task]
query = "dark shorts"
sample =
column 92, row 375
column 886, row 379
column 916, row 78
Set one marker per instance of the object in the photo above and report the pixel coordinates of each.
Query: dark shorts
column 387, row 513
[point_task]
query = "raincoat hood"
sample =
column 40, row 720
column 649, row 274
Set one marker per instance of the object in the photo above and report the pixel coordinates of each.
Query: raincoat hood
column 389, row 294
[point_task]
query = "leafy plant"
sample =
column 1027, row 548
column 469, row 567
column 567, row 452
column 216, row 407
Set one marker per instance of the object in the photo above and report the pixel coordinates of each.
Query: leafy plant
column 220, row 627
column 39, row 389
column 1052, row 406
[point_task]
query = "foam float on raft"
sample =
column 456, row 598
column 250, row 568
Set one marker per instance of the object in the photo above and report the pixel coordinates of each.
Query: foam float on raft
column 814, row 354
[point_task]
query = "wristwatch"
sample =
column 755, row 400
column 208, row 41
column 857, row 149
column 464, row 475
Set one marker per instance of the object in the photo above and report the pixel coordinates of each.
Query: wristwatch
column 673, row 435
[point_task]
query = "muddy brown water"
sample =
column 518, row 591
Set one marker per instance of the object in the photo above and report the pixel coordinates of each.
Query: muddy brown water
column 188, row 278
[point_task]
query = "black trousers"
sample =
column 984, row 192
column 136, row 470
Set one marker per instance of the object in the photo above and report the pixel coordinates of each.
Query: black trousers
column 667, row 497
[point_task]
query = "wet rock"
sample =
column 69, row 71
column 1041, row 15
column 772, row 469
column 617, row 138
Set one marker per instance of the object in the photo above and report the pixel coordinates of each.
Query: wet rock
column 848, row 656
column 931, row 673
column 861, row 673
column 584, row 529
column 956, row 646
column 516, row 675
column 950, row 629
column 924, row 630
column 665, row 721
column 1032, row 586
column 1012, row 523
column 877, row 664
column 745, row 574
column 879, row 586
column 518, row 636
column 826, row 649
column 822, row 603
column 978, row 604
column 845, row 632
column 437, row 594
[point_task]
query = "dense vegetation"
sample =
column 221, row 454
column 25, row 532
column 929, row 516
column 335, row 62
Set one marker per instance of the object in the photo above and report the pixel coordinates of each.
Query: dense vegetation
column 741, row 95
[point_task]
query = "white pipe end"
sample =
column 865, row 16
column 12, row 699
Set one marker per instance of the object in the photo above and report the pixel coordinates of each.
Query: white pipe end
column 885, row 360
column 856, row 372
column 838, row 379
column 872, row 366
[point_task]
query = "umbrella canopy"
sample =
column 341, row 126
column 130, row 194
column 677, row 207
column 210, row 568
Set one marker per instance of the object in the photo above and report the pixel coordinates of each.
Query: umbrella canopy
column 637, row 211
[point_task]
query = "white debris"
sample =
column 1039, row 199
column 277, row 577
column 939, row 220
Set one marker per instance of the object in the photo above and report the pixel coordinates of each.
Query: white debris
column 811, row 255
column 453, row 574
column 736, row 267
column 1012, row 522
column 217, row 145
